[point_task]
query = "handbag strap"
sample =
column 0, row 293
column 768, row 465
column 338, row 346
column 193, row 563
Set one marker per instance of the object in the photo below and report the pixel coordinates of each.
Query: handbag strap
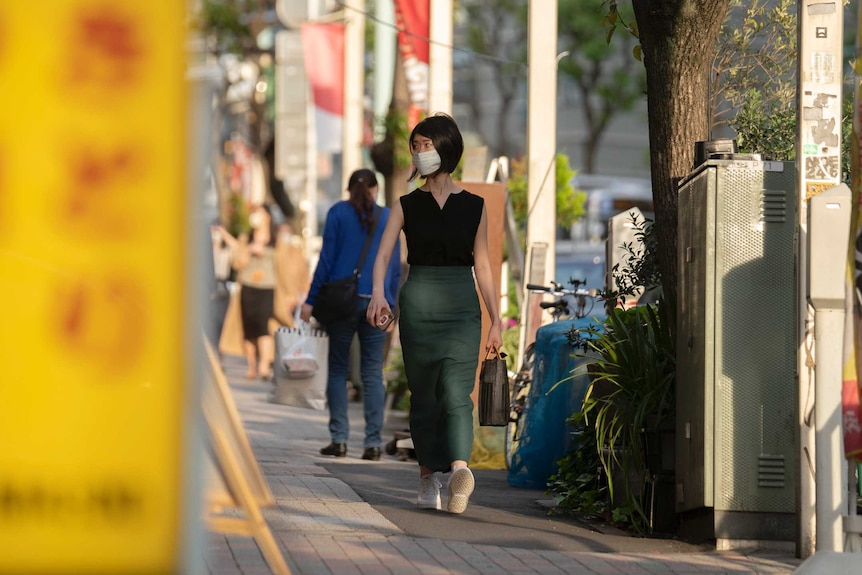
column 494, row 353
column 367, row 241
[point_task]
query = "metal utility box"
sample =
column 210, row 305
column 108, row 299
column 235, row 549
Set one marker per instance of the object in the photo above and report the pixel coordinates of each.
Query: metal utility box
column 736, row 350
column 828, row 230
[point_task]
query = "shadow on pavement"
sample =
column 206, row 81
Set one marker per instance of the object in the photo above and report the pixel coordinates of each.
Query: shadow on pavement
column 499, row 514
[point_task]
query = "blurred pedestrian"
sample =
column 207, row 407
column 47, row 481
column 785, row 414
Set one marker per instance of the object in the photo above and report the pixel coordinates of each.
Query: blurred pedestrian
column 254, row 260
column 348, row 223
column 217, row 273
column 446, row 228
column 292, row 275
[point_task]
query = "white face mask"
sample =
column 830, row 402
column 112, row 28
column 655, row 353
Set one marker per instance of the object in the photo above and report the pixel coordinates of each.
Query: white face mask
column 427, row 162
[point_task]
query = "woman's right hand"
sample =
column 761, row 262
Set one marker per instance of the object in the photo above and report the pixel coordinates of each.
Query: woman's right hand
column 220, row 234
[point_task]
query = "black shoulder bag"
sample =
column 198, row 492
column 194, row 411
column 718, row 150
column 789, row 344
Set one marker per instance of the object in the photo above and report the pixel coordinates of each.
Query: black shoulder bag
column 337, row 300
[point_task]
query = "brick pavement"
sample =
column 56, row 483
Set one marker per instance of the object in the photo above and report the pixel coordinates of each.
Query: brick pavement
column 324, row 528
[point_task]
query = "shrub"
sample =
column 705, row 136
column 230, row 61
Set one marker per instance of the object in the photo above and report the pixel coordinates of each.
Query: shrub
column 632, row 391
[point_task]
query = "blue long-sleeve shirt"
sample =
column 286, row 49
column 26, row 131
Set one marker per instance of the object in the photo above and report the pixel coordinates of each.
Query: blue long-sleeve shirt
column 343, row 238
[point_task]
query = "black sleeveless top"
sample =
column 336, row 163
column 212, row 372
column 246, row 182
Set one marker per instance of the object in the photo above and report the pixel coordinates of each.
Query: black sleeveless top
column 441, row 237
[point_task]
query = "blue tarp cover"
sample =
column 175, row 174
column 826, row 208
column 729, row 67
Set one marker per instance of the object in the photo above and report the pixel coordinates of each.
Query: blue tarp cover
column 546, row 436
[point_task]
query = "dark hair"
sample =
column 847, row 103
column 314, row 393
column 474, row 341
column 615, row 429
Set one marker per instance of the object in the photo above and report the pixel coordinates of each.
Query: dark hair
column 360, row 182
column 447, row 140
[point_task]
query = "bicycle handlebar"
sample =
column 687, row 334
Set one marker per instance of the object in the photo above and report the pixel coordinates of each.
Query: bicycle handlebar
column 559, row 290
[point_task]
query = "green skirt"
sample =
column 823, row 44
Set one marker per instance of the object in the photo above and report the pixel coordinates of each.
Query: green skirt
column 441, row 325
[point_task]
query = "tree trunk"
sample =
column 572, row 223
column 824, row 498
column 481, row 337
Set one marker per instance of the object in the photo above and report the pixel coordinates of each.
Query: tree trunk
column 384, row 154
column 504, row 120
column 590, row 147
column 678, row 39
column 396, row 182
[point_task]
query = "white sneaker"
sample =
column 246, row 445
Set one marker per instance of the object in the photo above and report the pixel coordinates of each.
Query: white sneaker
column 460, row 487
column 429, row 492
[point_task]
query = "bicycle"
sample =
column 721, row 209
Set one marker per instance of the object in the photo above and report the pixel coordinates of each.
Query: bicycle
column 560, row 309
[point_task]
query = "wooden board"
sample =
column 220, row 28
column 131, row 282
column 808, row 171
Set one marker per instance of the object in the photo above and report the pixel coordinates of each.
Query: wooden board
column 235, row 478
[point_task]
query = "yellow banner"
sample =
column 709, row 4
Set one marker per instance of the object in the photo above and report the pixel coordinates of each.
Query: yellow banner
column 92, row 276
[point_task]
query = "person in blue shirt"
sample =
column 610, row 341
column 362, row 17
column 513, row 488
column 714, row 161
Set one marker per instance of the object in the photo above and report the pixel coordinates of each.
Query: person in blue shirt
column 347, row 225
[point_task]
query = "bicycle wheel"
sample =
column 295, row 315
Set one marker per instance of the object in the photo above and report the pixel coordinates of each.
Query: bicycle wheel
column 517, row 419
column 518, row 410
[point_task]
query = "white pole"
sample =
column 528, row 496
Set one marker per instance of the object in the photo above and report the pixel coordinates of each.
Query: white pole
column 384, row 62
column 308, row 206
column 354, row 88
column 828, row 226
column 541, row 163
column 818, row 99
column 440, row 57
column 542, row 128
column 830, row 464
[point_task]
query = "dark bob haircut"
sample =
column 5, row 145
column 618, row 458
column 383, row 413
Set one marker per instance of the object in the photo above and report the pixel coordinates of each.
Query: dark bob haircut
column 446, row 137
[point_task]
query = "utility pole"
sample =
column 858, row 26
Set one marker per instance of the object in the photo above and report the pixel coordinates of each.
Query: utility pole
column 295, row 140
column 542, row 128
column 440, row 57
column 384, row 62
column 354, row 89
column 818, row 153
column 541, row 159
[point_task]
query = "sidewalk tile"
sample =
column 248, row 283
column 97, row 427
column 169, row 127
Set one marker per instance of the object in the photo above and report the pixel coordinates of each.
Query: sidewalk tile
column 324, row 528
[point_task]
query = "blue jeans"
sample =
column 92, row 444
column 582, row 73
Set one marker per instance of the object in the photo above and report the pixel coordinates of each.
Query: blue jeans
column 371, row 369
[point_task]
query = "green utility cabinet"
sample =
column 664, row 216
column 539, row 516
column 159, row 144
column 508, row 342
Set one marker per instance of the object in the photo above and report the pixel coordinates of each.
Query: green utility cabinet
column 736, row 351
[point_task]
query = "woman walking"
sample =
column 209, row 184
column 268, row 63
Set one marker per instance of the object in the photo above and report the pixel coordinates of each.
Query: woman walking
column 446, row 229
column 254, row 260
column 348, row 223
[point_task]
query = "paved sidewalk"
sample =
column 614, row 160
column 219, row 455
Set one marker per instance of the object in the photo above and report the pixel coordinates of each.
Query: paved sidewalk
column 324, row 528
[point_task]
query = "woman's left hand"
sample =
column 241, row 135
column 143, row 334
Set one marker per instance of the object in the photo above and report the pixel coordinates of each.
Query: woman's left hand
column 305, row 312
column 495, row 338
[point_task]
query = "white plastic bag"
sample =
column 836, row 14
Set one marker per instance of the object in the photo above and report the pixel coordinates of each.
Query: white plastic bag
column 222, row 256
column 299, row 357
column 293, row 387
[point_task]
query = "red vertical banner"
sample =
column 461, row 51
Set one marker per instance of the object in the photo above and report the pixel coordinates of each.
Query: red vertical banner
column 323, row 54
column 413, row 20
